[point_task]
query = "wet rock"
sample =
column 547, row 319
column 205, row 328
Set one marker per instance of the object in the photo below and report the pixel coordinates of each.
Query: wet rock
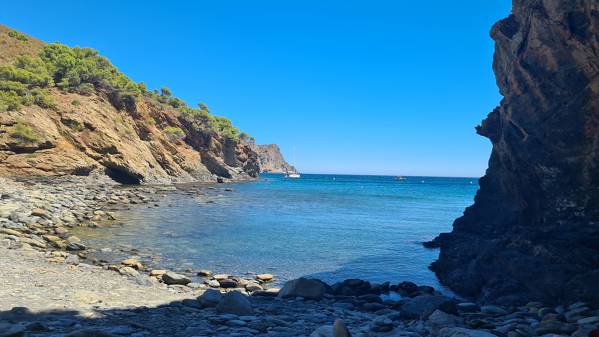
column 251, row 286
column 204, row 273
column 351, row 287
column 302, row 287
column 228, row 283
column 133, row 263
column 264, row 277
column 75, row 246
column 174, row 278
column 235, row 303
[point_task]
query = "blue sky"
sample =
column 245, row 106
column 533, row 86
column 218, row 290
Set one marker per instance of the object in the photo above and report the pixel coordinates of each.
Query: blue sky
column 369, row 87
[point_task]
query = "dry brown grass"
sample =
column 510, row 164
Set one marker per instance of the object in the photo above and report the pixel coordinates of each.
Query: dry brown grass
column 11, row 47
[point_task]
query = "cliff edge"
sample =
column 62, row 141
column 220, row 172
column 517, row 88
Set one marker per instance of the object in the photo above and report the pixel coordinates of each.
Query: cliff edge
column 533, row 231
column 271, row 159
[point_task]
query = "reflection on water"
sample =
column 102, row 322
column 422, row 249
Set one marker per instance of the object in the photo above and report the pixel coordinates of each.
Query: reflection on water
column 330, row 227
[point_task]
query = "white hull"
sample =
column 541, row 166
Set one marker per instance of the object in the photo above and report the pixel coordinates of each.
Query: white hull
column 293, row 175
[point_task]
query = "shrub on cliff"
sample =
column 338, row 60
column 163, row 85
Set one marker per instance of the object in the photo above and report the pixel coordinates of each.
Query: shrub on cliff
column 174, row 133
column 18, row 35
column 23, row 132
column 78, row 69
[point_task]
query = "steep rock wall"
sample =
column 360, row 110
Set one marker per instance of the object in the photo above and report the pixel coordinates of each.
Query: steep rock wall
column 271, row 159
column 533, row 231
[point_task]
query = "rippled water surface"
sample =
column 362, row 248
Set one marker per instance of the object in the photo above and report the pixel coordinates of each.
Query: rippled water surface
column 326, row 226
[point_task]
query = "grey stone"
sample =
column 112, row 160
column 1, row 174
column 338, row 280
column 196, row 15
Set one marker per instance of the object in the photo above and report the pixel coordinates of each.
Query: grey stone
column 210, row 298
column 339, row 329
column 439, row 319
column 421, row 306
column 235, row 303
column 302, row 287
column 174, row 278
column 493, row 310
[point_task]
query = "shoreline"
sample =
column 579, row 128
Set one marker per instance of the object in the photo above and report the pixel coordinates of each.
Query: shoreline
column 36, row 246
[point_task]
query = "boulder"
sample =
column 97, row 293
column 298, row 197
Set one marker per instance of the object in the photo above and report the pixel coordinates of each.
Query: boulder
column 227, row 283
column 174, row 278
column 439, row 320
column 236, row 303
column 421, row 306
column 339, row 329
column 210, row 298
column 352, row 287
column 303, row 287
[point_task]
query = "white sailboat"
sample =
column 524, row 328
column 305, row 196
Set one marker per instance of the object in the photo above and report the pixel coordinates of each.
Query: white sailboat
column 293, row 175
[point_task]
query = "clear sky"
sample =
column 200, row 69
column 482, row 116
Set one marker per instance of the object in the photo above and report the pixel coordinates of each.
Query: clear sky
column 371, row 87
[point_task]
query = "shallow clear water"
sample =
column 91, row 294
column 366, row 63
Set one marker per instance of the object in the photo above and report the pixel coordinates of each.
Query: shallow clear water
column 325, row 226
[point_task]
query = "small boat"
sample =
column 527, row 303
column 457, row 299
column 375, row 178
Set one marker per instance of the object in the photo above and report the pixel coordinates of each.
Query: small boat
column 400, row 178
column 295, row 174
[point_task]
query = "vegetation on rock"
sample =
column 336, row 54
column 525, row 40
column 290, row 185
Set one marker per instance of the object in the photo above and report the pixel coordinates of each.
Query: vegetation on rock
column 18, row 35
column 29, row 78
column 174, row 133
column 23, row 132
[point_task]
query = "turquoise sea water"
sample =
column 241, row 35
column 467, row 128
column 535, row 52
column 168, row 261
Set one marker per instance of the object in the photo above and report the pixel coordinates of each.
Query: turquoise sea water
column 331, row 227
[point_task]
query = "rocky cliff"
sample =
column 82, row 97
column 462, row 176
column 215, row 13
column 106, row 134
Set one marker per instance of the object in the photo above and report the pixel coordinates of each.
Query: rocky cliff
column 271, row 160
column 533, row 231
column 89, row 118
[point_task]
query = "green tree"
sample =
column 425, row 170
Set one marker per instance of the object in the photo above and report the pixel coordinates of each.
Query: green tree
column 165, row 92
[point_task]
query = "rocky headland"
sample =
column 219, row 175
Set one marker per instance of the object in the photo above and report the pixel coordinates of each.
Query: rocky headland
column 533, row 231
column 68, row 111
column 271, row 160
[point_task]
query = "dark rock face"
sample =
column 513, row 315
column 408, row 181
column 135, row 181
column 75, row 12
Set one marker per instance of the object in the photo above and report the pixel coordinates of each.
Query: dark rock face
column 533, row 231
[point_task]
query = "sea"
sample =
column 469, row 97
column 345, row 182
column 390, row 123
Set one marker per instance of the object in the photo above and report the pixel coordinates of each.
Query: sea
column 331, row 227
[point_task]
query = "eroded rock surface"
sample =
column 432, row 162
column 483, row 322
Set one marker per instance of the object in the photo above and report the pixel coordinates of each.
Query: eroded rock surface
column 271, row 159
column 533, row 232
